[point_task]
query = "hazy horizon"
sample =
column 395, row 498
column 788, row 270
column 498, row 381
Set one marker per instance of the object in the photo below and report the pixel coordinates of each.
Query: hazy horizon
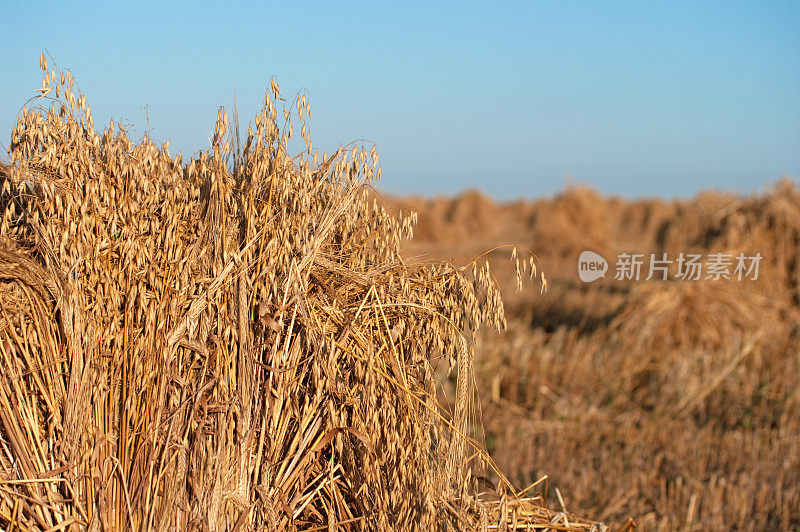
column 638, row 100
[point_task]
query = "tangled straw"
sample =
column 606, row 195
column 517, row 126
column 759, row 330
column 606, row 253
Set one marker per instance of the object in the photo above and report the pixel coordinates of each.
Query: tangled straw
column 217, row 345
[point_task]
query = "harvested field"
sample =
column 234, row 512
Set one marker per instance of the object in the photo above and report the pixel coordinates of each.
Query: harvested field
column 672, row 402
column 251, row 339
column 230, row 343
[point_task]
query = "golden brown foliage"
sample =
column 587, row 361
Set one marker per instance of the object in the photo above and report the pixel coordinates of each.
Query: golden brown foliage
column 231, row 342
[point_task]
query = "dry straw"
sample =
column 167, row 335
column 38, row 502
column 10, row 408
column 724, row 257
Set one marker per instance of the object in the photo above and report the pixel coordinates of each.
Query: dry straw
column 229, row 343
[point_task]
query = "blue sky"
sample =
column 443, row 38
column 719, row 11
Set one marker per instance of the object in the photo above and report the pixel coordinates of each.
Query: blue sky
column 518, row 99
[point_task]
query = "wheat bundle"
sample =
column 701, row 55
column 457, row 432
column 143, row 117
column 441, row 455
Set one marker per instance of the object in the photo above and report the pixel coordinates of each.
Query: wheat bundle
column 229, row 343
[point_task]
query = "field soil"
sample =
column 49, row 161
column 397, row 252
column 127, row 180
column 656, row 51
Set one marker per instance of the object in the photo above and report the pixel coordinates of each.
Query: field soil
column 674, row 402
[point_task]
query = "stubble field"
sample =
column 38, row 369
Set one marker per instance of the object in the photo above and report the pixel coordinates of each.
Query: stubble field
column 675, row 401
